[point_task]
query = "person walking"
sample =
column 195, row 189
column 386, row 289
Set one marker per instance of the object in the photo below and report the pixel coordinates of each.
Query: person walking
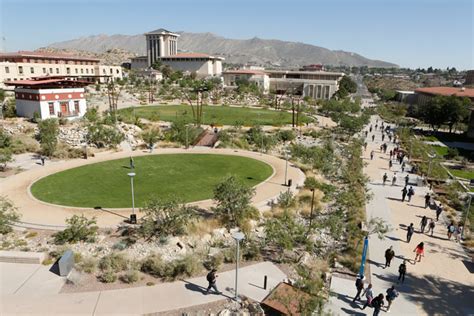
column 383, row 136
column 411, row 192
column 423, row 223
column 404, row 193
column 458, row 233
column 427, row 200
column 390, row 164
column 394, row 179
column 365, row 146
column 377, row 304
column 402, row 270
column 132, row 163
column 369, row 295
column 370, row 129
column 451, row 229
column 439, row 210
column 403, row 167
column 359, row 286
column 373, row 137
column 391, row 154
column 407, row 179
column 392, row 294
column 42, row 160
column 419, row 251
column 211, row 278
column 431, row 227
column 389, row 254
column 410, row 231
column 385, row 177
column 372, row 155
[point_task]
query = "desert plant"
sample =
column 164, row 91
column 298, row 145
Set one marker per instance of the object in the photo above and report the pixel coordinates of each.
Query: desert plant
column 154, row 265
column 8, row 215
column 79, row 228
column 48, row 136
column 88, row 265
column 108, row 277
column 130, row 276
column 113, row 262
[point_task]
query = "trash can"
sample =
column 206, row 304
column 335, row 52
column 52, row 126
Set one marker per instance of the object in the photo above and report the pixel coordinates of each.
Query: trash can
column 133, row 218
column 290, row 182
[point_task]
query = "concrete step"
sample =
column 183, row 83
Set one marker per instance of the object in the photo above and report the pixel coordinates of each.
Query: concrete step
column 21, row 257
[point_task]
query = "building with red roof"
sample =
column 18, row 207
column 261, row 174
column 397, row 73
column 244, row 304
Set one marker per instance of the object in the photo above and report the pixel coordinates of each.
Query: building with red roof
column 24, row 65
column 162, row 46
column 423, row 95
column 50, row 97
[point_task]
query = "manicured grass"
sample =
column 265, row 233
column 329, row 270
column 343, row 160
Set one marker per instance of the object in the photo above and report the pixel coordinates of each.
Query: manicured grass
column 440, row 150
column 190, row 177
column 217, row 115
column 466, row 174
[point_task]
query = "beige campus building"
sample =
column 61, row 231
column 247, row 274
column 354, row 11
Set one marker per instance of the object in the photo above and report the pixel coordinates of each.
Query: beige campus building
column 27, row 65
column 162, row 46
column 315, row 84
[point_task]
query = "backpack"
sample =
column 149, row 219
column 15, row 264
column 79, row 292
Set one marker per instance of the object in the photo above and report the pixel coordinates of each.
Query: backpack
column 210, row 277
column 402, row 268
column 451, row 228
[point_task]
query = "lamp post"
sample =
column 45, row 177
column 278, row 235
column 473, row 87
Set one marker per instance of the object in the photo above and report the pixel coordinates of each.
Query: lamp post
column 133, row 217
column 286, row 166
column 312, row 206
column 467, row 214
column 364, row 256
column 238, row 236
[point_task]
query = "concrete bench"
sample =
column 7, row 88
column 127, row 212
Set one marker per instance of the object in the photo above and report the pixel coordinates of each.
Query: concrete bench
column 21, row 257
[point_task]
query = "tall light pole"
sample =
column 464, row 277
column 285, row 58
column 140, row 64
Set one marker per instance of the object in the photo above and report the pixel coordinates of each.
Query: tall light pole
column 238, row 236
column 286, row 166
column 312, row 206
column 133, row 217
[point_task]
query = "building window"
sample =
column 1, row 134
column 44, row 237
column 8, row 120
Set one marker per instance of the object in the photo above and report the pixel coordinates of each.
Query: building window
column 82, row 70
column 20, row 70
column 7, row 70
column 51, row 108
column 76, row 106
column 32, row 70
column 44, row 70
column 76, row 70
column 92, row 70
column 118, row 71
column 87, row 70
column 111, row 71
column 103, row 71
column 57, row 70
column 68, row 70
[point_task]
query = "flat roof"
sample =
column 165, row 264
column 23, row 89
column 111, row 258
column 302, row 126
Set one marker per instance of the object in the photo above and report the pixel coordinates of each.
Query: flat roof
column 447, row 91
column 191, row 55
column 162, row 31
column 304, row 72
column 43, row 83
column 245, row 72
column 45, row 55
column 406, row 92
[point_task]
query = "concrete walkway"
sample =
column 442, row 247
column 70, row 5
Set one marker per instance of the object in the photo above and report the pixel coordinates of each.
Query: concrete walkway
column 133, row 301
column 442, row 283
column 37, row 214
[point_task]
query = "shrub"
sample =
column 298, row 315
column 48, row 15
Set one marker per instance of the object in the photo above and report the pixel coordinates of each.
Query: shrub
column 214, row 262
column 104, row 136
column 48, row 136
column 452, row 153
column 88, row 265
column 286, row 199
column 5, row 139
column 31, row 234
column 154, row 265
column 114, row 262
column 47, row 261
column 150, row 283
column 5, row 158
column 8, row 215
column 79, row 228
column 129, row 277
column 188, row 265
column 108, row 277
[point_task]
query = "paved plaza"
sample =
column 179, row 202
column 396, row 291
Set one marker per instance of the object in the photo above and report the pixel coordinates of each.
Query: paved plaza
column 442, row 283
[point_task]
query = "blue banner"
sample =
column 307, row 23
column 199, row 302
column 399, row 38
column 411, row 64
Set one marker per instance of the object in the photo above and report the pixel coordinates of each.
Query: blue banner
column 364, row 256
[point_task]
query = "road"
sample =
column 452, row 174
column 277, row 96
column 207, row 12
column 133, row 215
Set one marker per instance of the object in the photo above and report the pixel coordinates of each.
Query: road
column 362, row 91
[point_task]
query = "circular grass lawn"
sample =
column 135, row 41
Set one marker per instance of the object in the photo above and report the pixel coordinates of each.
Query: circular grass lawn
column 189, row 177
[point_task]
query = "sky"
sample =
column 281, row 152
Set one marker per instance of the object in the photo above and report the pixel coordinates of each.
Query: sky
column 410, row 33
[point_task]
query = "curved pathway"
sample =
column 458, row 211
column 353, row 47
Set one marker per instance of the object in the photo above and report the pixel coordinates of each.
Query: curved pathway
column 38, row 214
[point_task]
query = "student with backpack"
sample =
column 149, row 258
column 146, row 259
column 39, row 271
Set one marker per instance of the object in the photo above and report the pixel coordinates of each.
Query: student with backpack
column 431, row 227
column 389, row 254
column 359, row 286
column 377, row 304
column 410, row 194
column 451, row 229
column 385, row 177
column 423, row 223
column 369, row 295
column 427, row 200
column 410, row 231
column 211, row 278
column 392, row 294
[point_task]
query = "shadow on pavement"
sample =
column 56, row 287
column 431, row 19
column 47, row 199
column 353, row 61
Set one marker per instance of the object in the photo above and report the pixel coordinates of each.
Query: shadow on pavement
column 197, row 288
column 378, row 264
column 394, row 238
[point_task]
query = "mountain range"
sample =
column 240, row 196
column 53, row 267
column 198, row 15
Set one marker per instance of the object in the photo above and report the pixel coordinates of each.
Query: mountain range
column 256, row 51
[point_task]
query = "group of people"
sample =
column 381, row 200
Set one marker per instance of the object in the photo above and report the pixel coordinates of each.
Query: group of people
column 376, row 302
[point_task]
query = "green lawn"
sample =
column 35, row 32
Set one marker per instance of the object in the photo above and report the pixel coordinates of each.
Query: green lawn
column 440, row 150
column 217, row 115
column 466, row 174
column 190, row 177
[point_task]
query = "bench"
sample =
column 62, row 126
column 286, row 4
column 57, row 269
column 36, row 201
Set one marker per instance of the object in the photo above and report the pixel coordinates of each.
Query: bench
column 21, row 257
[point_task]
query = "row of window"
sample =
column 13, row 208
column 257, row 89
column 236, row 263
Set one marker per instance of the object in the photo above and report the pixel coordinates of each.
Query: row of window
column 68, row 70
column 48, row 61
column 64, row 106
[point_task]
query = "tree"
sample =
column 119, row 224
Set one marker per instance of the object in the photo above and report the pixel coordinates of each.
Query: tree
column 157, row 65
column 286, row 135
column 346, row 86
column 92, row 114
column 165, row 217
column 48, row 133
column 79, row 228
column 233, row 201
column 432, row 112
column 8, row 215
column 284, row 231
column 455, row 110
column 5, row 139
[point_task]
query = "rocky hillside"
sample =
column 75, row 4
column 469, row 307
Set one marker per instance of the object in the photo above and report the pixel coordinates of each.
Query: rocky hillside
column 256, row 51
column 113, row 56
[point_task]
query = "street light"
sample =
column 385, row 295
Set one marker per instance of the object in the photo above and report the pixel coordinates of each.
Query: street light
column 238, row 236
column 312, row 206
column 286, row 166
column 467, row 213
column 133, row 217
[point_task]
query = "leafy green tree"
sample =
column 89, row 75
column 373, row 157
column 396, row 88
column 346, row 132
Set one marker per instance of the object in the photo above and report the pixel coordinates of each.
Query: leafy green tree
column 8, row 215
column 79, row 228
column 346, row 86
column 164, row 217
column 233, row 201
column 92, row 114
column 455, row 110
column 48, row 136
column 285, row 232
column 286, row 135
column 157, row 65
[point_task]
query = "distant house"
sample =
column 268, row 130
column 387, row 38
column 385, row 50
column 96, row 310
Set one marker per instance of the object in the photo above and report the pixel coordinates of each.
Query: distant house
column 408, row 97
column 57, row 97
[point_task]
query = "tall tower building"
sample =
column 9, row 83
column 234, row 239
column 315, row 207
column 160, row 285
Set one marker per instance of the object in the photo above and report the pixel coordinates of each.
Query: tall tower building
column 160, row 43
